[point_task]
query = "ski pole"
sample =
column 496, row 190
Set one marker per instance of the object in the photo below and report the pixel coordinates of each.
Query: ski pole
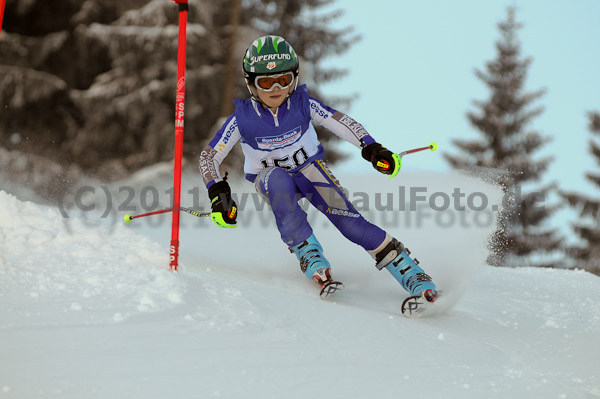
column 398, row 157
column 129, row 218
column 432, row 146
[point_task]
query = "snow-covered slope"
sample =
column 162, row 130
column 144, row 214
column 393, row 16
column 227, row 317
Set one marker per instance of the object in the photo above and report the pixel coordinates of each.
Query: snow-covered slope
column 91, row 312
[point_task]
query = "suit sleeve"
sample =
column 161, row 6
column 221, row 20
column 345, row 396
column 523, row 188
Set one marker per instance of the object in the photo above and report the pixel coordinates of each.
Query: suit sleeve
column 339, row 123
column 217, row 149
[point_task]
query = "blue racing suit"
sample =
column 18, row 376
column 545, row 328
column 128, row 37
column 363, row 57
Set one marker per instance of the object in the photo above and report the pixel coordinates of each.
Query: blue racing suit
column 284, row 158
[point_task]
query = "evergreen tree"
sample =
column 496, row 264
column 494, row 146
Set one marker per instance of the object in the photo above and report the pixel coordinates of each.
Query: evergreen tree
column 504, row 152
column 92, row 83
column 587, row 256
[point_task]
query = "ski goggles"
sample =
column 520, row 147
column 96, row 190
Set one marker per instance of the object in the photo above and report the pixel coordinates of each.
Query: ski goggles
column 269, row 82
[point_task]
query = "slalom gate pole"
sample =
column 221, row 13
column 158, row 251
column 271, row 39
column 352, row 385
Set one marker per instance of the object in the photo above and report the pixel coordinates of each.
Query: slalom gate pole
column 2, row 2
column 179, row 112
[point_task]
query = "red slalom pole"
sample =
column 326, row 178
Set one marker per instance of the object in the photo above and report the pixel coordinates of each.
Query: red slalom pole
column 2, row 2
column 179, row 112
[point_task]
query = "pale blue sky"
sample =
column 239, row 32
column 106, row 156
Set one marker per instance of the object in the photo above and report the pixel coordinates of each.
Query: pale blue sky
column 431, row 48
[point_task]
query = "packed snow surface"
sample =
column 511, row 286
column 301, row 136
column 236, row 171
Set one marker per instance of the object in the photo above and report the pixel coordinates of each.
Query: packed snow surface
column 90, row 310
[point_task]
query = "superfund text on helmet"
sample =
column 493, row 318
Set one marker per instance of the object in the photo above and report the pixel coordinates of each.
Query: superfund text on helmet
column 267, row 57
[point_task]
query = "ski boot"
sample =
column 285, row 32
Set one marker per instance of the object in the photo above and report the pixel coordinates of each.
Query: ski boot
column 314, row 265
column 396, row 259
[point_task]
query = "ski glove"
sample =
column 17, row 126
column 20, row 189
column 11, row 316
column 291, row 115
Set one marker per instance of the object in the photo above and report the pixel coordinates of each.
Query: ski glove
column 382, row 159
column 224, row 208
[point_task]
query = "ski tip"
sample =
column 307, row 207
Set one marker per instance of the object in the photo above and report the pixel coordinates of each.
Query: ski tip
column 413, row 305
column 420, row 305
column 331, row 288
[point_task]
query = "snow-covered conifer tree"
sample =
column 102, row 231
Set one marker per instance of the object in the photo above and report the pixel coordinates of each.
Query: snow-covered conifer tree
column 506, row 146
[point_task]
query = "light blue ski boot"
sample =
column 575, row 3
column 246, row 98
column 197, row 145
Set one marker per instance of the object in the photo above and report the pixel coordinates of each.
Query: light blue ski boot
column 314, row 265
column 396, row 259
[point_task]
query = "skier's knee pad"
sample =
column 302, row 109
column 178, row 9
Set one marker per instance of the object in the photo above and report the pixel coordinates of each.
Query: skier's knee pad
column 274, row 180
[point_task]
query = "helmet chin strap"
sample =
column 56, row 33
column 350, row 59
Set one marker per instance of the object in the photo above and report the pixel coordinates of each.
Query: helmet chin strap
column 250, row 90
column 254, row 95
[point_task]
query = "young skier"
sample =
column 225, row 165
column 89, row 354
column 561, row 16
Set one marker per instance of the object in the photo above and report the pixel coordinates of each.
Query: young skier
column 284, row 159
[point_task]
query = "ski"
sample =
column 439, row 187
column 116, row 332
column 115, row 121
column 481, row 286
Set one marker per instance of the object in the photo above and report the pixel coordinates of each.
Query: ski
column 419, row 306
column 329, row 288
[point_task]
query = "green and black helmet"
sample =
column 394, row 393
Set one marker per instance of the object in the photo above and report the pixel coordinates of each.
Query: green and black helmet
column 269, row 55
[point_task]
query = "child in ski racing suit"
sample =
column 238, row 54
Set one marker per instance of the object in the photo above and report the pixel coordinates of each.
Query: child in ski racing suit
column 284, row 159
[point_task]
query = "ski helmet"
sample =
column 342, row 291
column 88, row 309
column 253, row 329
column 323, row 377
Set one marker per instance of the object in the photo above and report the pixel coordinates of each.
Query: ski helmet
column 269, row 55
